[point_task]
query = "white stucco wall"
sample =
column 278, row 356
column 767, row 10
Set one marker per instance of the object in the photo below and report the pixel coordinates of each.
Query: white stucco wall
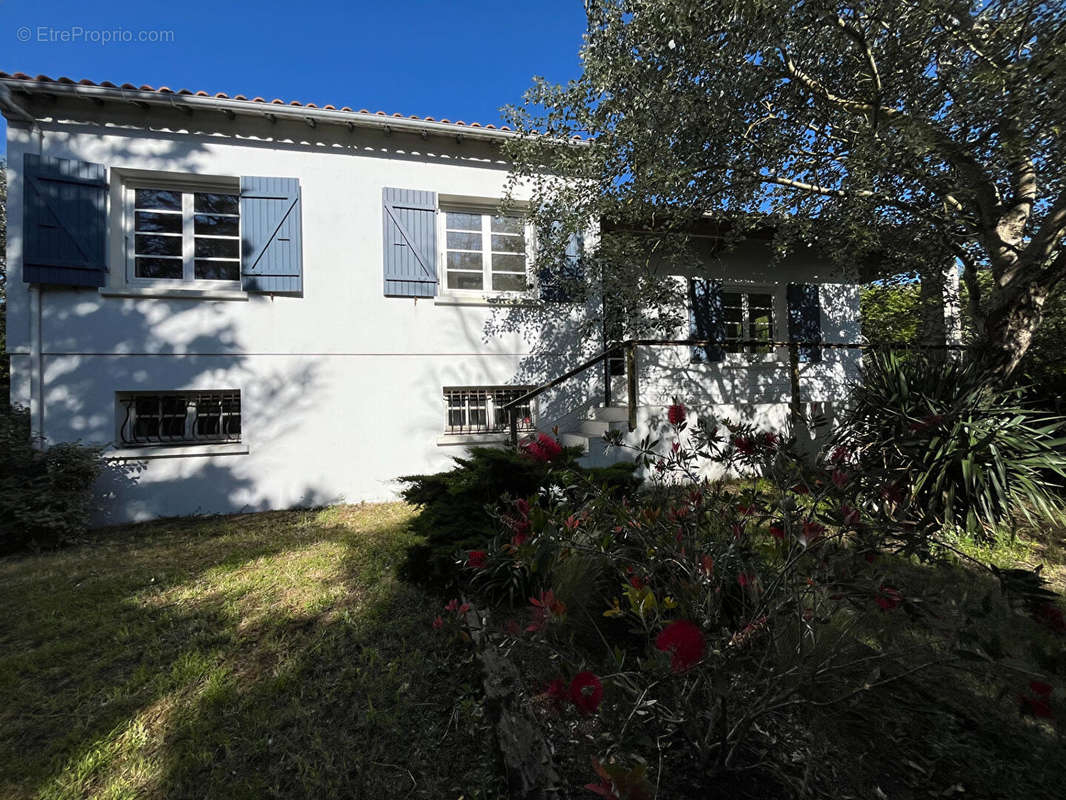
column 341, row 388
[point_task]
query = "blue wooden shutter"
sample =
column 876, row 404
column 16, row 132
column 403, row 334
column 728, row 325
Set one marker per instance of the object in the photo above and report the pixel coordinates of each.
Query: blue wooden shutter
column 805, row 319
column 566, row 283
column 706, row 318
column 410, row 242
column 64, row 225
column 271, row 236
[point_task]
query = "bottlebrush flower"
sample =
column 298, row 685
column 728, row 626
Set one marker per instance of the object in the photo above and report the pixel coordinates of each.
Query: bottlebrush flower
column 677, row 413
column 849, row 515
column 888, row 598
column 438, row 622
column 544, row 448
column 707, row 565
column 476, row 559
column 586, row 692
column 777, row 531
column 685, row 643
column 743, row 445
column 453, row 605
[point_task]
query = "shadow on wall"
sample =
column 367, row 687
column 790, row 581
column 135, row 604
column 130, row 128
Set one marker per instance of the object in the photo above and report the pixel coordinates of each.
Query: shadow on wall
column 94, row 347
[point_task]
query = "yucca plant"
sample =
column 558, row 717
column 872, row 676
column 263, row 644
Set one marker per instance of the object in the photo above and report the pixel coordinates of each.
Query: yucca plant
column 948, row 445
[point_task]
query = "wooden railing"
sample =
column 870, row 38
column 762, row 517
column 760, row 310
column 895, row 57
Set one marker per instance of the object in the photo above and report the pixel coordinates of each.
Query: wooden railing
column 629, row 348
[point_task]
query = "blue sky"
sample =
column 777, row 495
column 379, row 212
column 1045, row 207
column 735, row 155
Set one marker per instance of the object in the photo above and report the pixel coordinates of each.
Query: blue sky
column 459, row 59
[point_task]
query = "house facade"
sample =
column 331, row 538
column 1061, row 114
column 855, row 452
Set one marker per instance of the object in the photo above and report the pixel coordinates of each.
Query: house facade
column 255, row 305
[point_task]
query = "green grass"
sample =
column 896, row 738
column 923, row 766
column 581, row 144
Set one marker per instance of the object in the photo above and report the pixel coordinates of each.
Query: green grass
column 262, row 655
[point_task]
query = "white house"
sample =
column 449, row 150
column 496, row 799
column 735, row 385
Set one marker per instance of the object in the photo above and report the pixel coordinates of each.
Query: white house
column 261, row 305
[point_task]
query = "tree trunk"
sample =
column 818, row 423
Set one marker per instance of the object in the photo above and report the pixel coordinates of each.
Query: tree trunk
column 1009, row 328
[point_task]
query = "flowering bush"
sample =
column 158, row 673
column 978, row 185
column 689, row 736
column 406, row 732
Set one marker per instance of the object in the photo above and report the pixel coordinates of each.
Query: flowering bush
column 700, row 616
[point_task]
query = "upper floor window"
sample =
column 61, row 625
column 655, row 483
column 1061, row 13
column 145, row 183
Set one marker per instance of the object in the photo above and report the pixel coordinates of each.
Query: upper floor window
column 748, row 316
column 742, row 319
column 181, row 234
column 484, row 252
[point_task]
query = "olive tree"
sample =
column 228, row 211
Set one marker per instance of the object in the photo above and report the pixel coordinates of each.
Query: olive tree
column 902, row 135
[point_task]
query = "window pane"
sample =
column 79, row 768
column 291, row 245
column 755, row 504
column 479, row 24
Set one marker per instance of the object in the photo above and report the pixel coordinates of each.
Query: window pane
column 508, row 224
column 216, row 203
column 464, row 241
column 158, row 198
column 215, row 225
column 508, row 263
column 151, row 222
column 505, row 282
column 158, row 245
column 471, row 261
column 158, row 268
column 217, row 270
column 217, row 248
column 464, row 280
column 458, row 221
column 508, row 244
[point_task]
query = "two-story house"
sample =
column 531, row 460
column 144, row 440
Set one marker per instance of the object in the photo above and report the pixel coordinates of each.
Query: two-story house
column 261, row 304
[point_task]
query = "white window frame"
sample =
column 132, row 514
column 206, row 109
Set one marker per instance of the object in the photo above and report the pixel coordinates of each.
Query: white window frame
column 780, row 317
column 487, row 211
column 188, row 186
column 491, row 410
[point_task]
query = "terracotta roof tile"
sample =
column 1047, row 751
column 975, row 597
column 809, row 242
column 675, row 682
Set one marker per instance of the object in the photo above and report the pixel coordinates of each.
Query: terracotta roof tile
column 21, row 76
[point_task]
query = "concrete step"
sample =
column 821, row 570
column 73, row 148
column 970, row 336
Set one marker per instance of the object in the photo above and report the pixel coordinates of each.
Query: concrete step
column 575, row 440
column 611, row 413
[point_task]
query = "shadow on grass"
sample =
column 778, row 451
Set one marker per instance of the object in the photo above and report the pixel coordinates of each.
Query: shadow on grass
column 266, row 655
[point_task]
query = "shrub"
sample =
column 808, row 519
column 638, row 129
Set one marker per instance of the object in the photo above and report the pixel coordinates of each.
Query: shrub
column 941, row 442
column 44, row 493
column 459, row 507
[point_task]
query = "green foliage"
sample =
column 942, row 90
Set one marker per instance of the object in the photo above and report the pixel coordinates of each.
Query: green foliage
column 937, row 439
column 889, row 136
column 45, row 494
column 457, row 507
column 891, row 313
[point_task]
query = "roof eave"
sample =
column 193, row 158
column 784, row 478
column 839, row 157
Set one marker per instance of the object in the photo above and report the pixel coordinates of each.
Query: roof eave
column 191, row 102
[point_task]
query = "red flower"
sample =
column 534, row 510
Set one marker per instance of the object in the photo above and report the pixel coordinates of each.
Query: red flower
column 586, row 692
column 777, row 531
column 438, row 622
column 1041, row 688
column 770, row 439
column 743, row 445
column 849, row 515
column 637, row 582
column 544, row 448
column 453, row 605
column 557, row 690
column 463, row 609
column 572, row 522
column 1051, row 616
column 746, row 579
column 684, row 641
column 839, row 455
column 840, row 478
column 476, row 559
column 707, row 565
column 1036, row 706
column 544, row 606
column 677, row 414
column 519, row 539
column 812, row 532
column 888, row 598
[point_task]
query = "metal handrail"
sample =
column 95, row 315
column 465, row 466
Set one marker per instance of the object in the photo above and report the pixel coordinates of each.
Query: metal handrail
column 629, row 347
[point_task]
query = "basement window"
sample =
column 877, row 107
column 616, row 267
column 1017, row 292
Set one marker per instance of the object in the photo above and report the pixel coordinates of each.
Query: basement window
column 479, row 409
column 150, row 419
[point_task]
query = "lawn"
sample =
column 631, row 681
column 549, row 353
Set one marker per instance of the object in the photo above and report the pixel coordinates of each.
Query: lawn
column 278, row 655
column 262, row 655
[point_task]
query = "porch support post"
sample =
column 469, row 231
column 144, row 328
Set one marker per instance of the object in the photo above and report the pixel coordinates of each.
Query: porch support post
column 631, row 384
column 795, row 406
